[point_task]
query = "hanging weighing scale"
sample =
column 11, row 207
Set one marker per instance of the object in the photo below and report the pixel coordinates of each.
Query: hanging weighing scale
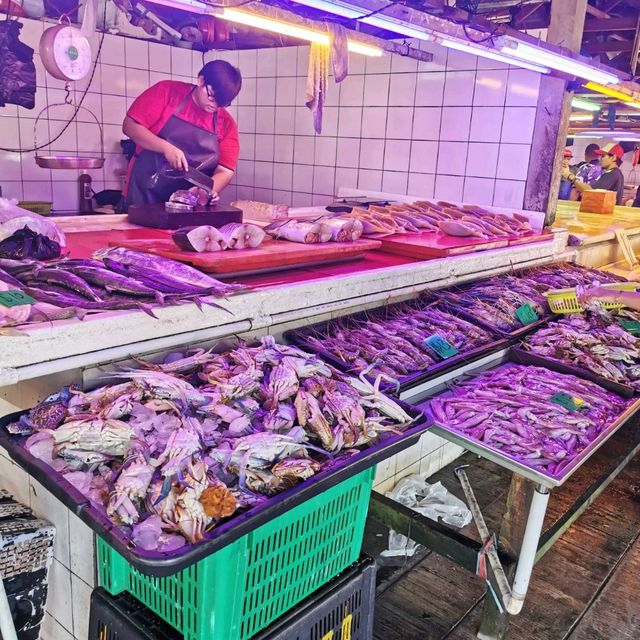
column 66, row 55
column 65, row 52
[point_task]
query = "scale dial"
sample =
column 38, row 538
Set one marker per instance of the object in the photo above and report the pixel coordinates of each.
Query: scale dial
column 65, row 52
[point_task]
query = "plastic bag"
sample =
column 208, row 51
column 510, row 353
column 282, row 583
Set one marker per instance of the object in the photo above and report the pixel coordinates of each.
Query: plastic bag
column 26, row 243
column 13, row 218
column 430, row 500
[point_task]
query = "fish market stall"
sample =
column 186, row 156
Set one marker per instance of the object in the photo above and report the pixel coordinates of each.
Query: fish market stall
column 490, row 299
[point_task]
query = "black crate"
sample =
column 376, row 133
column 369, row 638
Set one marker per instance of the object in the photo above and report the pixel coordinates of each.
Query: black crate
column 341, row 610
column 343, row 606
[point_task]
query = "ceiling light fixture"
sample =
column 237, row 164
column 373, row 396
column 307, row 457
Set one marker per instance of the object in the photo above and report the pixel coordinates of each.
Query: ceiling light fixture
column 564, row 64
column 352, row 12
column 346, row 10
column 267, row 24
column 485, row 52
column 608, row 91
column 293, row 30
column 585, row 105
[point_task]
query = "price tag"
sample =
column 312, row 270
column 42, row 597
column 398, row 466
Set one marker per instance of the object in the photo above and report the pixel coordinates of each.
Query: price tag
column 441, row 347
column 14, row 297
column 632, row 326
column 526, row 314
column 568, row 402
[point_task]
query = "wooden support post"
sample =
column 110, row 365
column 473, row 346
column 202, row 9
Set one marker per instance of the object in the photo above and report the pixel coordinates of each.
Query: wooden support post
column 552, row 114
column 493, row 624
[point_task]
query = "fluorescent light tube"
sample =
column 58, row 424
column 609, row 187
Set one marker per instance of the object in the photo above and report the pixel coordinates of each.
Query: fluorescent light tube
column 585, row 105
column 352, row 12
column 538, row 55
column 293, row 30
column 492, row 55
column 607, row 91
column 267, row 24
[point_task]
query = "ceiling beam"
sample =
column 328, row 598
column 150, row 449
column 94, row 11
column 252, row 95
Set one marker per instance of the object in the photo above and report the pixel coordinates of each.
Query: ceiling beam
column 608, row 47
column 623, row 23
column 610, row 6
column 635, row 52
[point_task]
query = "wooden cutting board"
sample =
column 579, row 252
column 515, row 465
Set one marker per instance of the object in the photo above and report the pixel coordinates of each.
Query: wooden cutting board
column 436, row 245
column 270, row 256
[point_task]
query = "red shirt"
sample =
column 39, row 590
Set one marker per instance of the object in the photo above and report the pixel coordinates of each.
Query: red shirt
column 153, row 108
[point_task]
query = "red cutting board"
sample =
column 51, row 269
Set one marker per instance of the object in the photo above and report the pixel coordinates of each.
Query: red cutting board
column 271, row 255
column 532, row 237
column 436, row 245
column 81, row 244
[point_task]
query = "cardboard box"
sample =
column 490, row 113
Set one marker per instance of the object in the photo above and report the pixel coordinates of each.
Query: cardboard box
column 598, row 201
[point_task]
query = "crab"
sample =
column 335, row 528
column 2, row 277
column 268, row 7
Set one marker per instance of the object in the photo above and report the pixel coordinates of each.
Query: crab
column 309, row 413
column 130, row 487
column 110, row 437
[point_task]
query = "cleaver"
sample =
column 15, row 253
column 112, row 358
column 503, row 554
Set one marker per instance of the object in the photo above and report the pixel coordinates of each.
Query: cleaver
column 192, row 175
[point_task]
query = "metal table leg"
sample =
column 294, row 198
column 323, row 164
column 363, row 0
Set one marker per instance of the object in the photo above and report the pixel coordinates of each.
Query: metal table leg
column 494, row 623
column 529, row 549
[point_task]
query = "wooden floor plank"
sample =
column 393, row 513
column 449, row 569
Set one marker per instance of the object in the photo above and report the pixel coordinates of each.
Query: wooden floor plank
column 436, row 599
column 615, row 614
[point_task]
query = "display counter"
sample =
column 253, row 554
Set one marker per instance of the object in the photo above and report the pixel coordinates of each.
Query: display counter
column 594, row 235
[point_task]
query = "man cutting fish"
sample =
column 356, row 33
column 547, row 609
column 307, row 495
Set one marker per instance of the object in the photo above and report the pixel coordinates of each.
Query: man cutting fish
column 179, row 126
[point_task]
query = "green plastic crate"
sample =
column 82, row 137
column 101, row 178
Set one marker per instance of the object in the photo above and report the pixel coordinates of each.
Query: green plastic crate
column 244, row 587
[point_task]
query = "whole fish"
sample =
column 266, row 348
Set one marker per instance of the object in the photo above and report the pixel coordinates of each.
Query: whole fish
column 170, row 269
column 115, row 282
column 7, row 278
column 65, row 279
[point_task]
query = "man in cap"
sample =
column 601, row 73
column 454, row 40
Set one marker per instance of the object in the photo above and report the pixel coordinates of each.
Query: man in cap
column 589, row 170
column 611, row 179
column 565, row 186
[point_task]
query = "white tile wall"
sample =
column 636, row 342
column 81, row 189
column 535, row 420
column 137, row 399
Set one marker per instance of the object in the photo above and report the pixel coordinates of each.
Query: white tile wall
column 452, row 128
column 394, row 122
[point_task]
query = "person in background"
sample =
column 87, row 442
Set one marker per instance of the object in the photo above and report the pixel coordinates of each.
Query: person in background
column 178, row 125
column 565, row 186
column 611, row 179
column 589, row 170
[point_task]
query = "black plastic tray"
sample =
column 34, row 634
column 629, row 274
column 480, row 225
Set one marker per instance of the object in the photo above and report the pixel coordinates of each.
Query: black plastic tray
column 159, row 564
column 522, row 356
column 507, row 335
column 406, row 382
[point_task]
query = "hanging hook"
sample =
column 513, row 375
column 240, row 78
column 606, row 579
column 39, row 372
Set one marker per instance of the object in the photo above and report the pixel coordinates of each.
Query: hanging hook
column 67, row 89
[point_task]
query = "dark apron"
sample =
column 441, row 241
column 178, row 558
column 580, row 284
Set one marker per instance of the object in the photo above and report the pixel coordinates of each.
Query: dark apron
column 198, row 145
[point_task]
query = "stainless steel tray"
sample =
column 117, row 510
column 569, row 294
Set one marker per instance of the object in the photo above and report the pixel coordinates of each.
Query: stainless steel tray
column 502, row 459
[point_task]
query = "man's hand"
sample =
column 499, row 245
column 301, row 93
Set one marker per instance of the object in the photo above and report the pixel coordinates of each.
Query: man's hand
column 565, row 173
column 176, row 158
column 203, row 196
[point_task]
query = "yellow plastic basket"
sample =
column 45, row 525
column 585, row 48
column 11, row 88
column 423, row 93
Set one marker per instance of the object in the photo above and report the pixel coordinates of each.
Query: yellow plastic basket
column 566, row 300
column 42, row 208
